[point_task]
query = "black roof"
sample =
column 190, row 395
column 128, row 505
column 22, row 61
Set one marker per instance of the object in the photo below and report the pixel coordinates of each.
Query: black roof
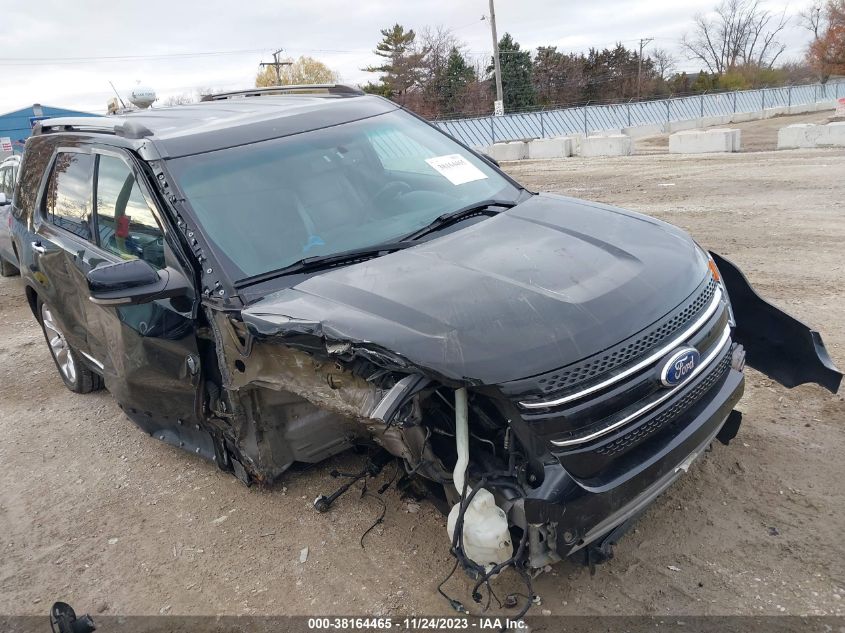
column 218, row 124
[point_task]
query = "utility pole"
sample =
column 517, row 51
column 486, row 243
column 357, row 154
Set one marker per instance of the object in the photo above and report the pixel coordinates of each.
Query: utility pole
column 643, row 42
column 277, row 65
column 499, row 106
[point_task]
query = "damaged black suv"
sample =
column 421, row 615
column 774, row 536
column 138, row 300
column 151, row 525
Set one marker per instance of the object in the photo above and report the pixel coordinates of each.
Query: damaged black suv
column 275, row 276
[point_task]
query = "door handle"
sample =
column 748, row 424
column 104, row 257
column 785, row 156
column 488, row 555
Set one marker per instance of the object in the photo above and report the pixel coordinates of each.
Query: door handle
column 36, row 246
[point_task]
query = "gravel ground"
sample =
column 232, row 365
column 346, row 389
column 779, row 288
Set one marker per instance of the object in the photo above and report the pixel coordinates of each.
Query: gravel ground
column 98, row 514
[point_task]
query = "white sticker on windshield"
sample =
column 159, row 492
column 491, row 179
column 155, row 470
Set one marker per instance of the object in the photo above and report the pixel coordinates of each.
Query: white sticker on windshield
column 457, row 169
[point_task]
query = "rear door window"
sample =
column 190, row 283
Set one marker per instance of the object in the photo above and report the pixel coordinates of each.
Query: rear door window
column 126, row 226
column 67, row 203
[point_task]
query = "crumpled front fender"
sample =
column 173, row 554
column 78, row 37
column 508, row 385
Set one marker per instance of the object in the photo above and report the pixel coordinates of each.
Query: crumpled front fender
column 776, row 344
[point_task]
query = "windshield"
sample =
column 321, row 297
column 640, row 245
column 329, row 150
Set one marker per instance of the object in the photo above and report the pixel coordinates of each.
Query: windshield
column 270, row 204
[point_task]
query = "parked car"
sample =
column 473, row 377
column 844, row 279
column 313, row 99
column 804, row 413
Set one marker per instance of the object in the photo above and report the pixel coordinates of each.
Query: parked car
column 264, row 279
column 8, row 179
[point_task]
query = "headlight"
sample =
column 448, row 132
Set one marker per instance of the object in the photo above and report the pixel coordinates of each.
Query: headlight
column 717, row 277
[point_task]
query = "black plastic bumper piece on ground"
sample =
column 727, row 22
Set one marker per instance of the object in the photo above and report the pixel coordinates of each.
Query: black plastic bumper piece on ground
column 776, row 343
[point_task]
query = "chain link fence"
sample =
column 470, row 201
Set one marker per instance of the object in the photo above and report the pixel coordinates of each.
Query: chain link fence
column 484, row 131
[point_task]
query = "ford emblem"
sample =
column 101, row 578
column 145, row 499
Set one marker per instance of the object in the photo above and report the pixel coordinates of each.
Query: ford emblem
column 679, row 366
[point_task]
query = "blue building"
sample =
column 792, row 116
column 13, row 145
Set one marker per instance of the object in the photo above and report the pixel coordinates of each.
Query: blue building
column 17, row 125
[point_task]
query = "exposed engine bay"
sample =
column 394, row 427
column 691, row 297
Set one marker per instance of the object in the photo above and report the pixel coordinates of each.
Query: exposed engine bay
column 299, row 400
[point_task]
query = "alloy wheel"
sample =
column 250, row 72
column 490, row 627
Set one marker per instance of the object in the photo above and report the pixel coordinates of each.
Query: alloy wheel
column 58, row 345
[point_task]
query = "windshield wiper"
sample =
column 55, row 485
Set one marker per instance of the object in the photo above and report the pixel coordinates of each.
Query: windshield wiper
column 454, row 216
column 320, row 262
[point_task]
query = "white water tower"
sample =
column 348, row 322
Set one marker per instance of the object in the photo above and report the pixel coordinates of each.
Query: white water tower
column 142, row 97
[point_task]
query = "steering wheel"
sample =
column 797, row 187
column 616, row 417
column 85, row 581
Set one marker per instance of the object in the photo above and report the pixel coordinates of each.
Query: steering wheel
column 389, row 191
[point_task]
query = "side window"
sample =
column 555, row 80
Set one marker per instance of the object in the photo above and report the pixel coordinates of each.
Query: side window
column 68, row 200
column 125, row 223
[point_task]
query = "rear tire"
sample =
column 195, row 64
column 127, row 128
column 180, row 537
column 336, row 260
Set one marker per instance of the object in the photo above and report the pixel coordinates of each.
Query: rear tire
column 76, row 376
column 7, row 269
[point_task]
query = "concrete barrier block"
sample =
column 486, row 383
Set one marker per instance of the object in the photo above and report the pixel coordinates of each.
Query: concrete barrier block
column 832, row 135
column 643, row 131
column 710, row 121
column 550, row 148
column 722, row 119
column 512, row 150
column 798, row 135
column 680, row 126
column 607, row 145
column 577, row 138
column 743, row 117
column 737, row 139
column 801, row 109
column 704, row 141
column 768, row 113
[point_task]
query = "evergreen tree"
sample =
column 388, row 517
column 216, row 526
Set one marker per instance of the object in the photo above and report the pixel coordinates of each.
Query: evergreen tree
column 557, row 76
column 401, row 67
column 457, row 77
column 517, row 85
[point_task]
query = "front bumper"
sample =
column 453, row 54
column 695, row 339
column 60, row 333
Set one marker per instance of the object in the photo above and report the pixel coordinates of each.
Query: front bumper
column 584, row 513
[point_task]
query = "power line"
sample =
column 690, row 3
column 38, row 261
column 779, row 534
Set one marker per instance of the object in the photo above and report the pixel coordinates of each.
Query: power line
column 473, row 23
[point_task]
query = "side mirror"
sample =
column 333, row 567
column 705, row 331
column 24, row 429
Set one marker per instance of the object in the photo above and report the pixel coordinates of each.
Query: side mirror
column 134, row 282
column 4, row 201
column 490, row 159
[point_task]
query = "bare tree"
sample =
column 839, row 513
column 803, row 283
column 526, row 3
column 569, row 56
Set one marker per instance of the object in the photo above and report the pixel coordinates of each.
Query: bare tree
column 435, row 45
column 305, row 70
column 664, row 62
column 206, row 91
column 738, row 33
column 180, row 99
column 812, row 18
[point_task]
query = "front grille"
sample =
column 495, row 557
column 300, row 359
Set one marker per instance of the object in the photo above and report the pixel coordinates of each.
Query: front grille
column 627, row 413
column 628, row 350
column 668, row 415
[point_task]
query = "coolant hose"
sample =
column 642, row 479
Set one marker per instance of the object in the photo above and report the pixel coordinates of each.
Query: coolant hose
column 461, row 439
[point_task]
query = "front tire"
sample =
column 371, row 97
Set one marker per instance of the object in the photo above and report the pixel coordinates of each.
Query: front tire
column 76, row 376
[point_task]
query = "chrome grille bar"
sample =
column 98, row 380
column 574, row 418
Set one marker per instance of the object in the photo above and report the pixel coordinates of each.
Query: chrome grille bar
column 718, row 348
column 645, row 362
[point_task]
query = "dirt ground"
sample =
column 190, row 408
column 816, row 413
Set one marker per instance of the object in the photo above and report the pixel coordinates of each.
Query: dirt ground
column 98, row 514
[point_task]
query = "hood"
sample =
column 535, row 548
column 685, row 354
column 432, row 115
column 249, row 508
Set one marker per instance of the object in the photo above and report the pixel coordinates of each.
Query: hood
column 542, row 285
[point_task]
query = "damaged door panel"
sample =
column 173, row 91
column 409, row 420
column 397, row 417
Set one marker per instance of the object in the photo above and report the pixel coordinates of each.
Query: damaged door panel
column 776, row 344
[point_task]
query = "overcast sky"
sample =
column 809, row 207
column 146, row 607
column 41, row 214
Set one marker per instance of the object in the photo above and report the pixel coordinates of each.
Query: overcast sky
column 64, row 53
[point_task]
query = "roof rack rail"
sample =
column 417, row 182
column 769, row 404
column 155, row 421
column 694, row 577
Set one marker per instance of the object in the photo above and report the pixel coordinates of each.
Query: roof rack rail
column 103, row 125
column 332, row 89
